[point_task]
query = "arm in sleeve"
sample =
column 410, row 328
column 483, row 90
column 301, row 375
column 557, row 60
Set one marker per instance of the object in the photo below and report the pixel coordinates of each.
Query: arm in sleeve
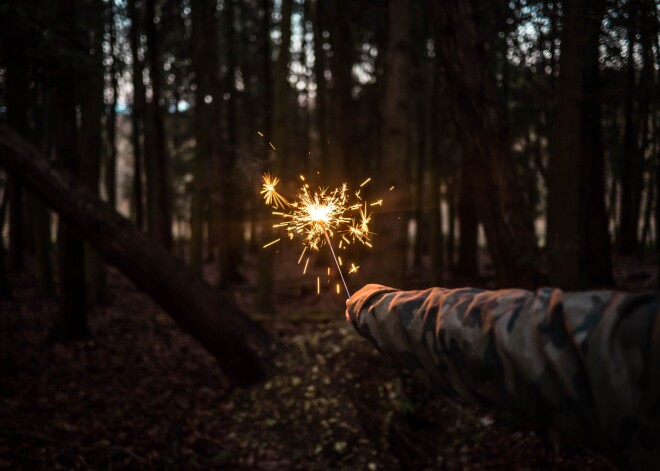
column 587, row 364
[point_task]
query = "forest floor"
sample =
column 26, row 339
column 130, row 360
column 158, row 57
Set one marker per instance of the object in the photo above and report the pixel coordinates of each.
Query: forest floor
column 140, row 394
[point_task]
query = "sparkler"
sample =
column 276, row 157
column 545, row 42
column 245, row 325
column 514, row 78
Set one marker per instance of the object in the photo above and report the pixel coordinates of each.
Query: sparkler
column 318, row 216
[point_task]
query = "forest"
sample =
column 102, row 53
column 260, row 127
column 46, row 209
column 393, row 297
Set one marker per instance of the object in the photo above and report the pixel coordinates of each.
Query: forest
column 155, row 312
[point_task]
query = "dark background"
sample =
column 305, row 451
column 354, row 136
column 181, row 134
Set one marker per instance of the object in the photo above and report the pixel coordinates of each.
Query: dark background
column 521, row 139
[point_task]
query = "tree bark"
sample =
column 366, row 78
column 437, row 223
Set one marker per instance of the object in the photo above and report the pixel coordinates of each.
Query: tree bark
column 231, row 231
column 265, row 296
column 281, row 108
column 436, row 230
column 72, row 322
column 91, row 112
column 479, row 121
column 5, row 288
column 159, row 193
column 204, row 36
column 208, row 316
column 396, row 132
column 578, row 241
column 137, row 115
column 341, row 64
column 468, row 227
column 321, row 113
column 16, row 83
column 111, row 125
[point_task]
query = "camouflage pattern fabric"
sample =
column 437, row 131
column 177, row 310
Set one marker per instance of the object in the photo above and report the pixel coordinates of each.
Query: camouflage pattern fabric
column 586, row 363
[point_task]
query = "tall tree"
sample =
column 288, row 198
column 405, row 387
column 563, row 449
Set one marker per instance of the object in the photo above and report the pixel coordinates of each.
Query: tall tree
column 466, row 265
column 230, row 235
column 321, row 103
column 631, row 163
column 5, row 288
column 14, row 29
column 436, row 229
column 265, row 296
column 137, row 113
column 479, row 120
column 395, row 144
column 205, row 64
column 72, row 323
column 281, row 106
column 159, row 193
column 578, row 241
column 91, row 91
column 341, row 65
column 111, row 118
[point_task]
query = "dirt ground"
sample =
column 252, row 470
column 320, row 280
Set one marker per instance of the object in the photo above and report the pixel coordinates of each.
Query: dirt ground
column 140, row 394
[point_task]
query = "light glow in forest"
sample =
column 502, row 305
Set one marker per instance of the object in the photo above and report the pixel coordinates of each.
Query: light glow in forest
column 317, row 217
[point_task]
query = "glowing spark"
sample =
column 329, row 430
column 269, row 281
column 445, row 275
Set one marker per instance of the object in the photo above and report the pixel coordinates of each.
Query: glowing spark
column 271, row 146
column 392, row 187
column 270, row 194
column 354, row 268
column 318, row 285
column 365, row 182
column 260, row 133
column 317, row 216
column 337, row 287
column 271, row 243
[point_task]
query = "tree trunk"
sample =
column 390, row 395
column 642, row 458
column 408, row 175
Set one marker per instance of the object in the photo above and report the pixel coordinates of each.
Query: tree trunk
column 468, row 227
column 231, row 230
column 208, row 316
column 321, row 103
column 204, row 36
column 436, row 230
column 159, row 194
column 281, row 120
column 422, row 98
column 16, row 83
column 599, row 246
column 72, row 322
column 5, row 288
column 479, row 121
column 451, row 223
column 111, row 127
column 648, row 26
column 38, row 211
column 41, row 220
column 91, row 112
column 630, row 166
column 137, row 115
column 392, row 224
column 341, row 64
column 578, row 241
column 265, row 296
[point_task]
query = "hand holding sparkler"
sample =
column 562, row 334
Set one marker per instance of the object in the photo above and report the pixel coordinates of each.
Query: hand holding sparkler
column 317, row 217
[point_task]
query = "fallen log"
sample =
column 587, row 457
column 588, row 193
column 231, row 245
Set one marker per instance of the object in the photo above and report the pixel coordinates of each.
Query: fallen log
column 220, row 326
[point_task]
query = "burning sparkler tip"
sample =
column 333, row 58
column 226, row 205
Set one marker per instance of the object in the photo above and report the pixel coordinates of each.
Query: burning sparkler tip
column 320, row 215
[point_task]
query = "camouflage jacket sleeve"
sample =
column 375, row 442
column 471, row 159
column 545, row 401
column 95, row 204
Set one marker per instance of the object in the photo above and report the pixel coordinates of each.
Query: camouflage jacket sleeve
column 587, row 363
